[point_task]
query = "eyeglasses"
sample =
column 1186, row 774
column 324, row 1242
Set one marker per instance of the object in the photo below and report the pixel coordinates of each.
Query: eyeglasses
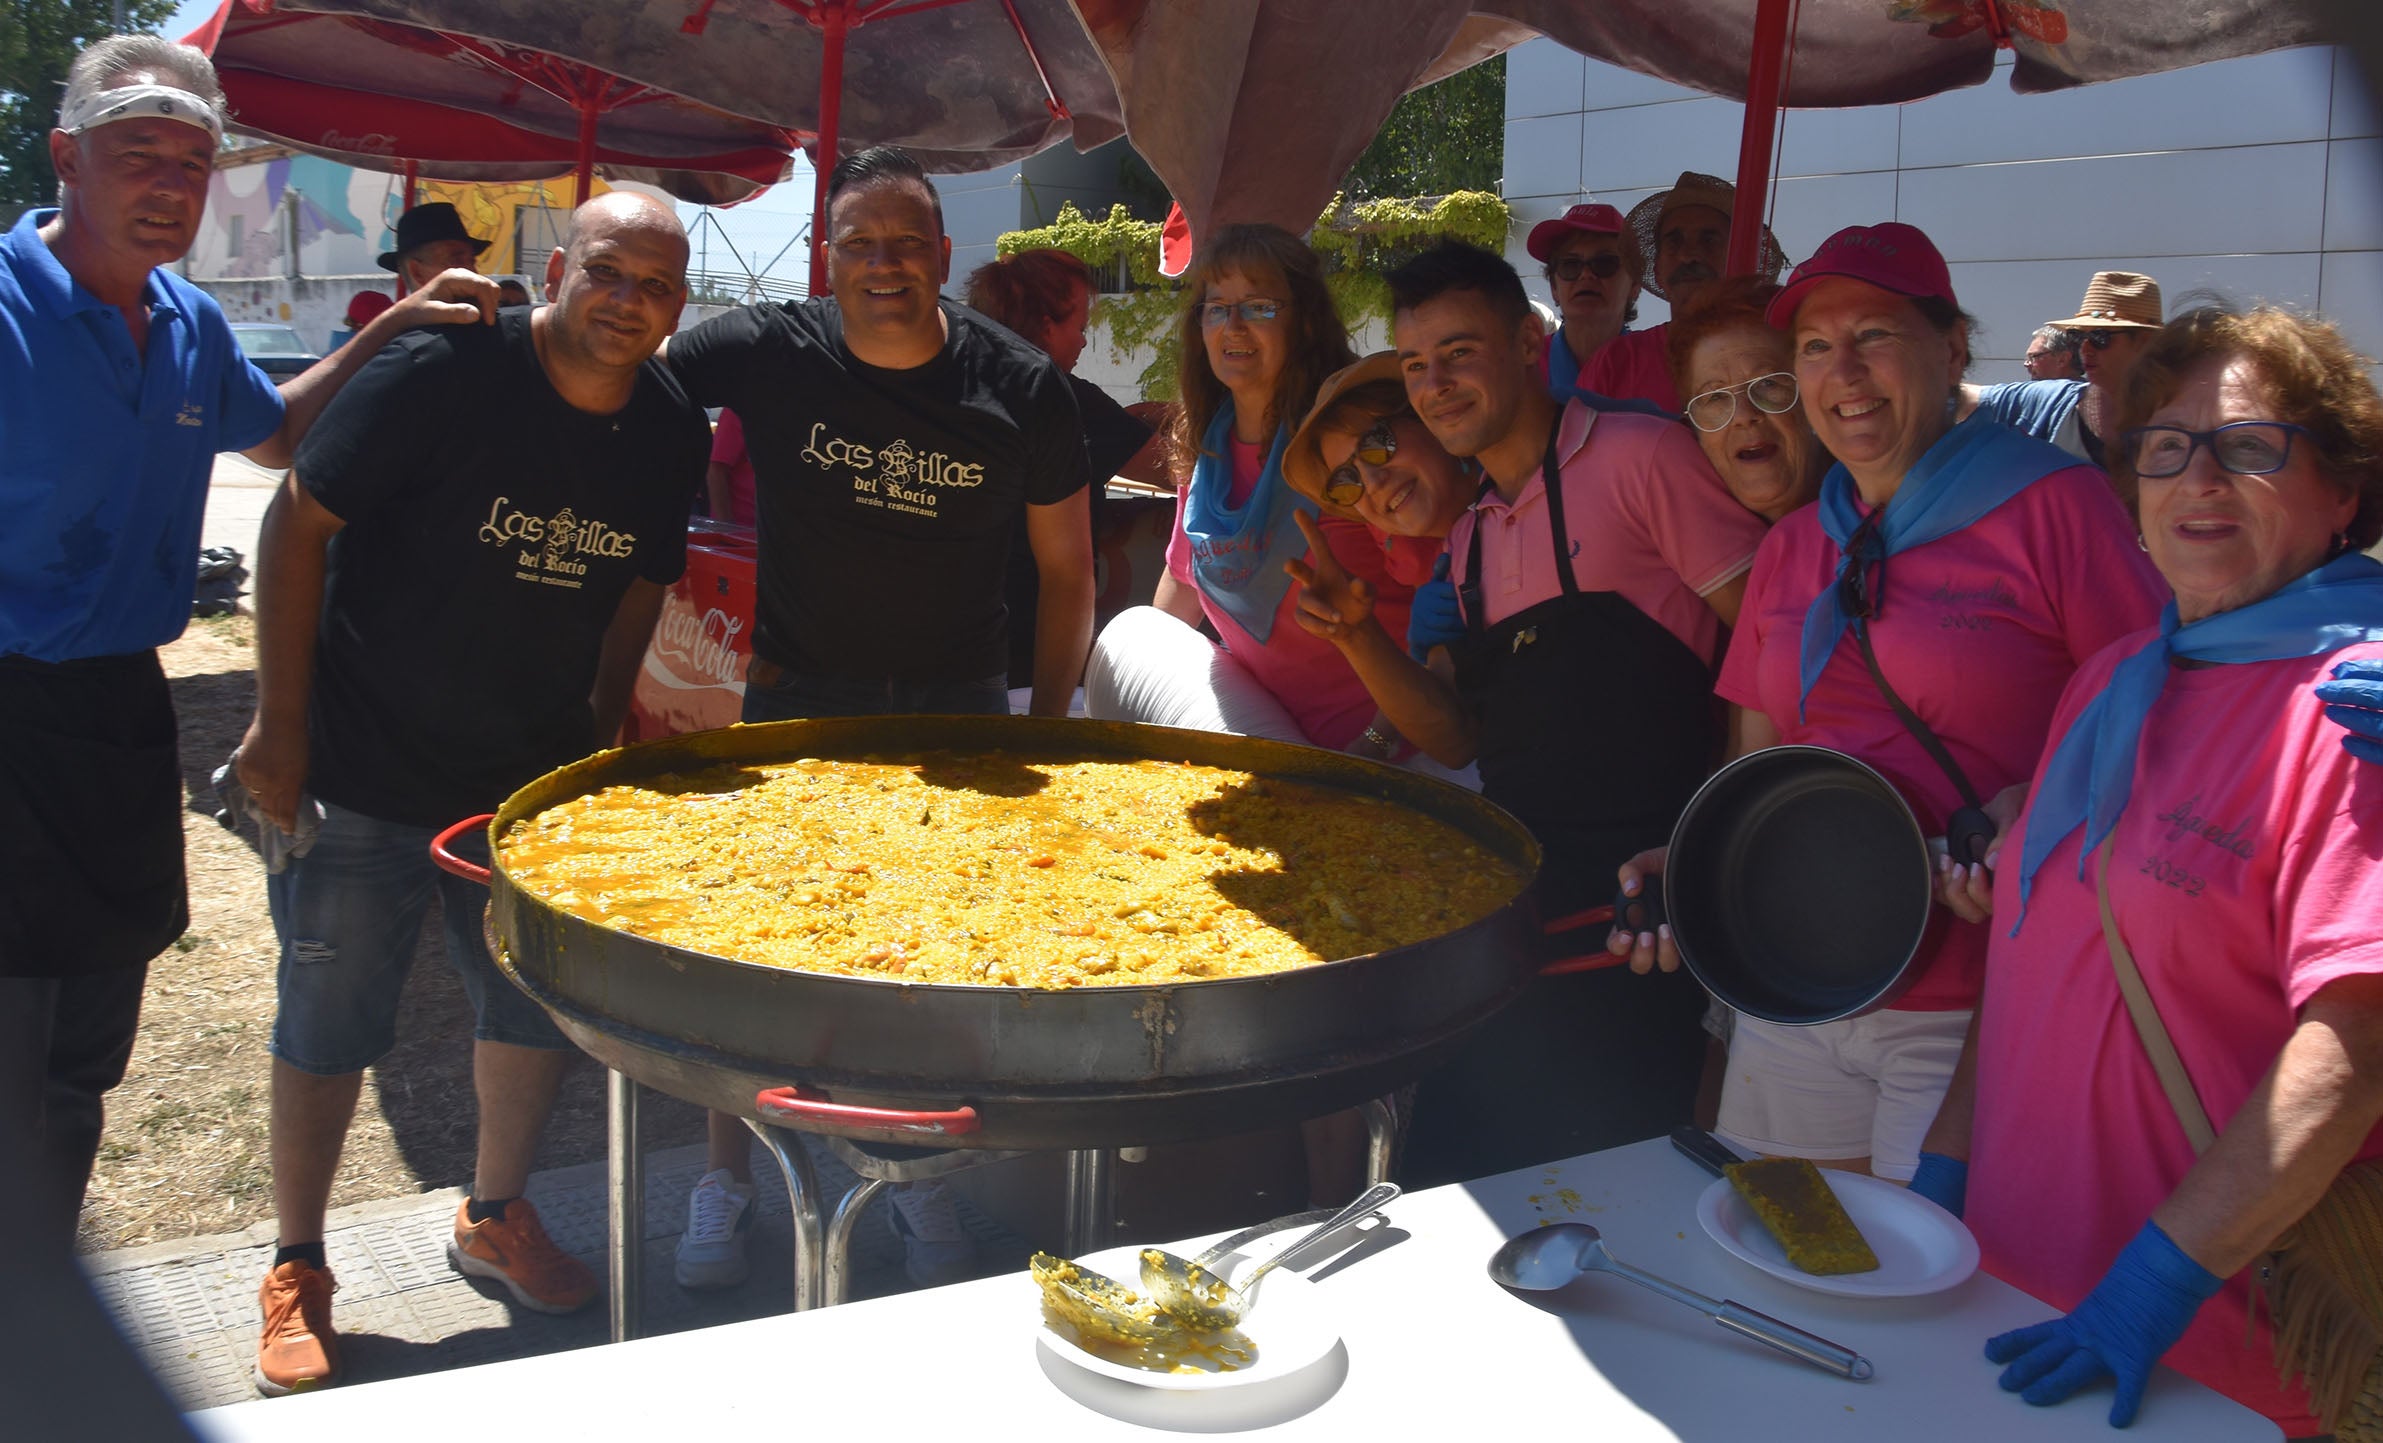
column 1773, row 395
column 1600, row 266
column 1256, row 313
column 2246, row 448
column 1346, row 484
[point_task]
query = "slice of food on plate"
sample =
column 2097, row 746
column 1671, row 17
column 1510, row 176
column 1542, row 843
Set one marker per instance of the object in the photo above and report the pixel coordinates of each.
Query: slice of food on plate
column 1795, row 1202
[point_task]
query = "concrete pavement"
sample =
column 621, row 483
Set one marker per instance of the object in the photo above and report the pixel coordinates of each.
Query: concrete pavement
column 236, row 499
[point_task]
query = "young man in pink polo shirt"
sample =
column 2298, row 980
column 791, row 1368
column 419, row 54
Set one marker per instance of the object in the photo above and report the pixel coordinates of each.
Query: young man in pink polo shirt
column 1582, row 685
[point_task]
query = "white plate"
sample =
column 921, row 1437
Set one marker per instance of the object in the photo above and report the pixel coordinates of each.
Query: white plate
column 1290, row 1329
column 1921, row 1248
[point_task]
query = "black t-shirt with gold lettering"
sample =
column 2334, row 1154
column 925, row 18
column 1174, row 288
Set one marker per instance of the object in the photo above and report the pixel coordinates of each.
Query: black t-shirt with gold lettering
column 885, row 500
column 491, row 529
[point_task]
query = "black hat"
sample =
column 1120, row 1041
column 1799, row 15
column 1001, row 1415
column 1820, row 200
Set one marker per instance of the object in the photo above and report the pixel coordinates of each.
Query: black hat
column 423, row 224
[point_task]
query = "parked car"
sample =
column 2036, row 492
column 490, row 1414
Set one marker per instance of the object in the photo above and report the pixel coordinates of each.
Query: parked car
column 276, row 350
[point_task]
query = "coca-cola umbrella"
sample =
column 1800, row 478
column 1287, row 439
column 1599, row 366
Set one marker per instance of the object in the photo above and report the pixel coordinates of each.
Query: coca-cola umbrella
column 962, row 84
column 395, row 97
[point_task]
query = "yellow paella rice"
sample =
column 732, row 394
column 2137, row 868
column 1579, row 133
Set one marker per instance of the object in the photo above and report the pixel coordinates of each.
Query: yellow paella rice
column 984, row 868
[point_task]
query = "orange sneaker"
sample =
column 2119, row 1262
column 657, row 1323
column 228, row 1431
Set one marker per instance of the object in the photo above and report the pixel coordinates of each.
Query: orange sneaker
column 297, row 1350
column 515, row 1251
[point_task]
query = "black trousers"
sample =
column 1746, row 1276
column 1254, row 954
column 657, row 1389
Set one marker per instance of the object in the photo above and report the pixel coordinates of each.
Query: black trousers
column 64, row 1042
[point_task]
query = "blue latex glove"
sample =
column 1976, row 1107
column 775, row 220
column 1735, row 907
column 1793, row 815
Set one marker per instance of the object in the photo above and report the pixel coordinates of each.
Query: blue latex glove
column 1943, row 1181
column 2133, row 1316
column 1436, row 619
column 2354, row 698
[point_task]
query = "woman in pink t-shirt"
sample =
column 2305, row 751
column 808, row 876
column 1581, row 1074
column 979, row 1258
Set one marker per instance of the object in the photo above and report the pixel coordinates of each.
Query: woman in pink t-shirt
column 2194, row 773
column 1258, row 336
column 1993, row 565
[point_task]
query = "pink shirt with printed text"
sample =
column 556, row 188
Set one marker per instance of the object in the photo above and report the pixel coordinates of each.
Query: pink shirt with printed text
column 1647, row 517
column 1978, row 632
column 1633, row 365
column 1306, row 673
column 2243, row 879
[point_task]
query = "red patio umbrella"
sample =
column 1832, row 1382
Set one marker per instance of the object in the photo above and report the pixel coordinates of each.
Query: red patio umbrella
column 391, row 97
column 1255, row 109
column 962, row 84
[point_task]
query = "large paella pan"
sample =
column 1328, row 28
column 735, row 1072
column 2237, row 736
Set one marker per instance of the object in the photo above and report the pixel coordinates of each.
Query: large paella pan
column 990, row 1066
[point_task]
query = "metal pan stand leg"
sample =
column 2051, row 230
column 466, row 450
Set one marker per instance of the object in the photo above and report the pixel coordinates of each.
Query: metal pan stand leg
column 1381, row 1140
column 839, row 1238
column 802, row 1190
column 1091, row 1200
column 624, row 1180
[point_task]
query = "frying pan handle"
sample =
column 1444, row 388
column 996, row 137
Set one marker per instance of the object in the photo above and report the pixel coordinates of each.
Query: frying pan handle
column 797, row 1107
column 1571, row 952
column 1966, row 835
column 448, row 861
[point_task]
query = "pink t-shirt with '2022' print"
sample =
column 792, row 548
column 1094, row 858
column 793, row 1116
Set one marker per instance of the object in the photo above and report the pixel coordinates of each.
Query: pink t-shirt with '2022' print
column 1977, row 632
column 2244, row 878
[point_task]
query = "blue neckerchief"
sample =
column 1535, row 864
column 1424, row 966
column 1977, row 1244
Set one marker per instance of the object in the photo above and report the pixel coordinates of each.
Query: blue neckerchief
column 1563, row 372
column 2093, row 769
column 1238, row 553
column 1972, row 469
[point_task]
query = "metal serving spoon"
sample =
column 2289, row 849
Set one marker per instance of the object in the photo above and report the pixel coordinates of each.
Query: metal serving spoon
column 1192, row 1295
column 1099, row 1306
column 1549, row 1257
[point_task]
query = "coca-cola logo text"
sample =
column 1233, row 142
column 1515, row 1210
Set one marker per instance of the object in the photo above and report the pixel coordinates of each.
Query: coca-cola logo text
column 706, row 643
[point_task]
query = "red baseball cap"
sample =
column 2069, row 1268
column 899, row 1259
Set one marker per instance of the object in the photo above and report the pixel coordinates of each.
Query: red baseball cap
column 364, row 305
column 1588, row 219
column 1891, row 256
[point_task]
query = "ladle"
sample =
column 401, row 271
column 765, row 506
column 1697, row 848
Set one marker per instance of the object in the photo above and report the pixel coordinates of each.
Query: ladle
column 1549, row 1257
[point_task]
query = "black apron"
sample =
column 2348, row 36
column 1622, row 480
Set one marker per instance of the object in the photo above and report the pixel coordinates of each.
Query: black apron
column 1597, row 725
column 90, row 816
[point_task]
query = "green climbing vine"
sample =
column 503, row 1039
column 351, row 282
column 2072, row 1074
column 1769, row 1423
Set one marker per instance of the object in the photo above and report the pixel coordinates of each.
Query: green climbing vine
column 1360, row 242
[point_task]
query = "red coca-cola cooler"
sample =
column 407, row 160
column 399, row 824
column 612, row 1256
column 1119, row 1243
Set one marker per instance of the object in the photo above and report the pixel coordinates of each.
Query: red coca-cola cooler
column 693, row 678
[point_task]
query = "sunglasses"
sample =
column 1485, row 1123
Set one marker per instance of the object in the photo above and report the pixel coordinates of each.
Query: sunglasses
column 1773, row 395
column 2101, row 340
column 2246, row 448
column 1602, row 267
column 1346, row 484
column 1256, row 313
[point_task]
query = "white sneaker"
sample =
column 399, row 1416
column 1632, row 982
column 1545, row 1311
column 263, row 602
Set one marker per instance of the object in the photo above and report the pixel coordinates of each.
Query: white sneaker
column 711, row 1253
column 935, row 1250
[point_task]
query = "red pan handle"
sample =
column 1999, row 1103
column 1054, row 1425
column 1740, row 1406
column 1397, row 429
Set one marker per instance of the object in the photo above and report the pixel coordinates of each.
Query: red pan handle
column 448, row 861
column 797, row 1106
column 1557, row 931
column 1644, row 911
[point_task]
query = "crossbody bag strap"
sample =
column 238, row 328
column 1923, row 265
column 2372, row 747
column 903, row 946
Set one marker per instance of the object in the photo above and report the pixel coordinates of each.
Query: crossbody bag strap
column 2169, row 1067
column 1920, row 730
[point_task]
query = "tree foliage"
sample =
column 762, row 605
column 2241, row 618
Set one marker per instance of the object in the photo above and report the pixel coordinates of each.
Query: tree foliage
column 38, row 41
column 1444, row 138
column 1359, row 242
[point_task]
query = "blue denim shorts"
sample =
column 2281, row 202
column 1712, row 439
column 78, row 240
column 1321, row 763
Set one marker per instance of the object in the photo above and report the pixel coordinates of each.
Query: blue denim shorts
column 348, row 914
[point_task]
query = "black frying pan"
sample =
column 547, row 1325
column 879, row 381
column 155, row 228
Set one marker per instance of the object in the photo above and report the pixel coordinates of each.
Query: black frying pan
column 1799, row 886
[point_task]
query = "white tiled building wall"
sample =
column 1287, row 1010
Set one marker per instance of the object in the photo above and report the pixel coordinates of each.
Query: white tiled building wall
column 2260, row 178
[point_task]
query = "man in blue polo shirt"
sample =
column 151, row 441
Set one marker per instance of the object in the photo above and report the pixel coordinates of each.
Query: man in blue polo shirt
column 119, row 382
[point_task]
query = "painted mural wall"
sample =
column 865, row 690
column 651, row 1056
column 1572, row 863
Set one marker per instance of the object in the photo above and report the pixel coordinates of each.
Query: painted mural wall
column 345, row 219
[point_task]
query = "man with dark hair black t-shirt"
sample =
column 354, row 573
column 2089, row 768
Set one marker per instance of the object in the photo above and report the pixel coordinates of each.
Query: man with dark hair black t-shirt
column 456, row 585
column 898, row 441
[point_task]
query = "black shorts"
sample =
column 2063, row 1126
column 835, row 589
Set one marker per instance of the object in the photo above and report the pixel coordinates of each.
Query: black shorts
column 90, row 816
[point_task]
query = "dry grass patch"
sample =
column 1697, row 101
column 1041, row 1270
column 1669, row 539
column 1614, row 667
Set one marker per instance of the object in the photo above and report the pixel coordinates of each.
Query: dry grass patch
column 186, row 1147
